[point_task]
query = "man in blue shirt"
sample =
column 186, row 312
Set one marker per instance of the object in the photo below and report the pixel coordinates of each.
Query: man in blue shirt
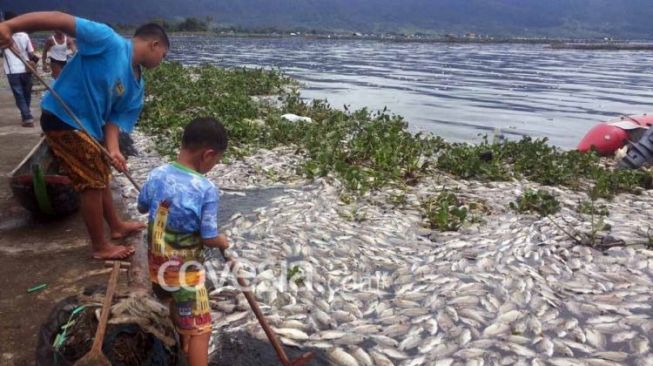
column 103, row 86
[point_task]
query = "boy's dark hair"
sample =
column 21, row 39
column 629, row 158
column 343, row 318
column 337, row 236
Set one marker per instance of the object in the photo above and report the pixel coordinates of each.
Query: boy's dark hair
column 153, row 31
column 204, row 133
column 9, row 15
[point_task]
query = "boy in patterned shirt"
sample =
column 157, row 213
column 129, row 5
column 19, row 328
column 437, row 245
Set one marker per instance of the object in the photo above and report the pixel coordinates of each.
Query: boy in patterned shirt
column 183, row 212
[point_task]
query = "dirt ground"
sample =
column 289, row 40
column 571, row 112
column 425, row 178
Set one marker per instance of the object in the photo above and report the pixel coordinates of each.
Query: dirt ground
column 33, row 252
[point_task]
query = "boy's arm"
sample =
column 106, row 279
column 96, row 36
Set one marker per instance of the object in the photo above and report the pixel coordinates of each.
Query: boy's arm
column 111, row 132
column 219, row 242
column 35, row 22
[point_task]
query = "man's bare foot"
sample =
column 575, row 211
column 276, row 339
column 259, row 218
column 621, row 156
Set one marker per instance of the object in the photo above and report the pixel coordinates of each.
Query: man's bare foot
column 116, row 252
column 127, row 229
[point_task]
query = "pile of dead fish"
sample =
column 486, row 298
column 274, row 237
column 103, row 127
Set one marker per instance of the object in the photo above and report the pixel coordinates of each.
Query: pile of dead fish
column 369, row 284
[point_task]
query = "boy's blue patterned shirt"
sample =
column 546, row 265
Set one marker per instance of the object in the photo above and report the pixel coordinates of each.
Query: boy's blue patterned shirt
column 192, row 197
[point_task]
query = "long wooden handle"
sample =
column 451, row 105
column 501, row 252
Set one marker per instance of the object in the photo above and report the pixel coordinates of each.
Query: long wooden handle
column 106, row 308
column 272, row 336
column 67, row 109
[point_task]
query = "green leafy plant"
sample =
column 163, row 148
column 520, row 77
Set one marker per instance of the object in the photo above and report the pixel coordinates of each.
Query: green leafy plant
column 589, row 207
column 295, row 274
column 365, row 150
column 445, row 212
column 540, row 202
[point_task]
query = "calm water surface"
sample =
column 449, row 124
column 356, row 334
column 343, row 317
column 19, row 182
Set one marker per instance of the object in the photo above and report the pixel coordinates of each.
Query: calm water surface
column 457, row 91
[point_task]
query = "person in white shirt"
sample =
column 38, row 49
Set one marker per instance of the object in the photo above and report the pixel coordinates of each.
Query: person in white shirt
column 57, row 47
column 20, row 79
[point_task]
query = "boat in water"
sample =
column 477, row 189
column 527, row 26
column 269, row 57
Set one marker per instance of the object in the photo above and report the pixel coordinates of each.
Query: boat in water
column 40, row 186
column 607, row 137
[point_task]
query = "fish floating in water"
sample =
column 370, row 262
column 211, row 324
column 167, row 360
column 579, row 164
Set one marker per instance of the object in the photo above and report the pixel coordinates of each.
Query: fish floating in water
column 383, row 290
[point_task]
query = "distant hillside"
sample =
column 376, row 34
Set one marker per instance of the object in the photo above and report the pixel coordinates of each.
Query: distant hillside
column 564, row 18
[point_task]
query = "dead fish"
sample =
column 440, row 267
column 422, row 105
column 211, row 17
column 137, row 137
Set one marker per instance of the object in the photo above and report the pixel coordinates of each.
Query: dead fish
column 392, row 352
column 350, row 339
column 465, row 337
column 396, row 330
column 292, row 333
column 341, row 358
column 384, row 340
column 623, row 336
column 595, row 338
column 444, row 362
column 363, row 358
column 367, row 329
column 289, row 342
column 496, row 329
column 327, row 335
column 429, row 344
column 640, row 345
column 380, row 359
column 545, row 346
column 431, row 326
column 411, row 341
column 611, row 356
column 510, row 316
column 561, row 361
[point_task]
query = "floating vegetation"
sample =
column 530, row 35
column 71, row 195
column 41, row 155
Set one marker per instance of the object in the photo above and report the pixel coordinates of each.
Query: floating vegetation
column 445, row 212
column 589, row 207
column 365, row 150
column 540, row 202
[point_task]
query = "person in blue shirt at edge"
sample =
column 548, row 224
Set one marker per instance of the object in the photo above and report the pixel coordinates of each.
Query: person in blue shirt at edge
column 103, row 86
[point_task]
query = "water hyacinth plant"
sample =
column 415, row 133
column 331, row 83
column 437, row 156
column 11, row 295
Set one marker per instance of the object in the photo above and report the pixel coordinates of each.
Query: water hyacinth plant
column 541, row 202
column 445, row 212
column 365, row 150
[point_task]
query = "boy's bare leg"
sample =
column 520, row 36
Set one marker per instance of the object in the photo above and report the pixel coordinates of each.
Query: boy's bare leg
column 119, row 229
column 92, row 213
column 198, row 349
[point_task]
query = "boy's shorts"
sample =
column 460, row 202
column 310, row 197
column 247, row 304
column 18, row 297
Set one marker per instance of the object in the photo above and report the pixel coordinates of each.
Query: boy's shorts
column 190, row 311
column 78, row 155
column 174, row 260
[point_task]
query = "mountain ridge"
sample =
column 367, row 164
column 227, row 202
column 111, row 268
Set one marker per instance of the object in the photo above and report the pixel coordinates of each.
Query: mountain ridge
column 562, row 18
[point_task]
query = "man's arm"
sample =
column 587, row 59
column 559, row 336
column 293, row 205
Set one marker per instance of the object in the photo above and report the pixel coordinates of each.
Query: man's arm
column 111, row 133
column 35, row 22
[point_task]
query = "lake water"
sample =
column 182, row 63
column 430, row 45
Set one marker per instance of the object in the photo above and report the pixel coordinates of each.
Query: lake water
column 458, row 91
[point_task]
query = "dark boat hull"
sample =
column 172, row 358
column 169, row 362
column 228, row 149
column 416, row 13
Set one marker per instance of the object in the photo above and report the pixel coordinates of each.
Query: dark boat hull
column 40, row 186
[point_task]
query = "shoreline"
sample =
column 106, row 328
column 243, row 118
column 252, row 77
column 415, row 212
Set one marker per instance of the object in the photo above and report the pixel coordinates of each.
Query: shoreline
column 375, row 279
column 420, row 259
column 561, row 43
column 534, row 268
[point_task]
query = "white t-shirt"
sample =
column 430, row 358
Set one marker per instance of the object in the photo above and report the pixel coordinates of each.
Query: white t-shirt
column 12, row 64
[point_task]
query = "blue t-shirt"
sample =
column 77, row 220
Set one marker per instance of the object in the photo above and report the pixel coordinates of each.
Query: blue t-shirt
column 193, row 200
column 99, row 83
